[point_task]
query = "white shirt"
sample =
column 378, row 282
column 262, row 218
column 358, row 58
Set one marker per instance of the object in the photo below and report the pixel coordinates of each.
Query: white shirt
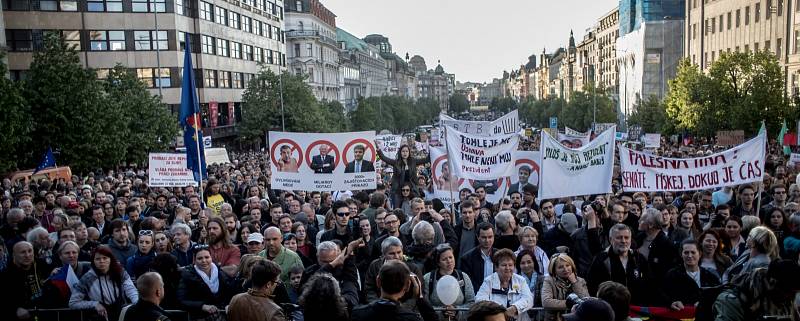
column 695, row 276
column 488, row 266
column 519, row 295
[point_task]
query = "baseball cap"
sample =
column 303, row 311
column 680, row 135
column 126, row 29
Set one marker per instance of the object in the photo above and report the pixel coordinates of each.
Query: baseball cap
column 255, row 237
column 591, row 309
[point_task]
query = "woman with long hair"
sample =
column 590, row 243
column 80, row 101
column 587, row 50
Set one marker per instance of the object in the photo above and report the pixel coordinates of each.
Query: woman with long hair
column 322, row 300
column 528, row 267
column 163, row 243
column 686, row 222
column 735, row 242
column 304, row 245
column 106, row 288
column 776, row 220
column 404, row 166
column 712, row 258
column 446, row 265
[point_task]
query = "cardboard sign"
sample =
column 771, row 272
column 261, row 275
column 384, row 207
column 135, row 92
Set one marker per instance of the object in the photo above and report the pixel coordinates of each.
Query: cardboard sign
column 730, row 137
column 169, row 170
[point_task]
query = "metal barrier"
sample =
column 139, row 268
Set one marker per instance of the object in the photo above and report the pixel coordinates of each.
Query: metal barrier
column 66, row 314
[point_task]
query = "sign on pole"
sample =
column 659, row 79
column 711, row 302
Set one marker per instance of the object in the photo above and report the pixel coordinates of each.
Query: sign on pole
column 389, row 144
column 169, row 170
column 651, row 173
column 553, row 122
column 569, row 172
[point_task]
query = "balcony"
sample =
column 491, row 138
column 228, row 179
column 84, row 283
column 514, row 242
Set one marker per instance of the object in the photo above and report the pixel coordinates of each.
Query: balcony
column 311, row 34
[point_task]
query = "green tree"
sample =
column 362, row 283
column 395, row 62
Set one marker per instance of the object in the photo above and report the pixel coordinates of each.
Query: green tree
column 651, row 114
column 15, row 121
column 150, row 127
column 71, row 112
column 579, row 113
column 365, row 116
column 458, row 103
column 336, row 117
column 504, row 105
column 739, row 91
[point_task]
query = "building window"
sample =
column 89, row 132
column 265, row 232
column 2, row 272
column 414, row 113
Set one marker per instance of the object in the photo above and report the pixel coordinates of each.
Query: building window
column 756, row 46
column 101, row 40
column 210, row 78
column 152, row 79
column 257, row 55
column 257, row 28
column 184, row 7
column 18, row 5
column 267, row 30
column 149, row 5
column 713, row 25
column 68, row 5
column 780, row 8
column 150, row 40
column 233, row 20
column 739, row 16
column 297, row 50
column 299, row 5
column 694, row 31
column 208, row 45
column 309, row 49
column 270, row 57
column 222, row 16
column 236, row 80
column 72, row 38
column 247, row 24
column 222, row 47
column 181, row 40
column 19, row 40
column 767, row 46
column 224, row 79
column 757, row 12
column 729, row 20
column 104, row 5
column 48, row 5
column 236, row 50
column 797, row 41
column 206, row 11
column 248, row 52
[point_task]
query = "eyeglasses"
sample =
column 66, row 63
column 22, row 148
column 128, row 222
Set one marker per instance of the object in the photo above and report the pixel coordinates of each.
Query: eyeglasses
column 405, row 190
column 342, row 214
column 390, row 221
column 145, row 232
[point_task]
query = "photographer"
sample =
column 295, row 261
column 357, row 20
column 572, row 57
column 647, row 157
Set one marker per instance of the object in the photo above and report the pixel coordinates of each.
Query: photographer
column 590, row 238
column 395, row 282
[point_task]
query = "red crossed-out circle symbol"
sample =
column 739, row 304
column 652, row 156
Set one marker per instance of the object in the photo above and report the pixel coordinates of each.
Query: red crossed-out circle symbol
column 280, row 142
column 435, row 167
column 333, row 147
column 529, row 162
column 367, row 145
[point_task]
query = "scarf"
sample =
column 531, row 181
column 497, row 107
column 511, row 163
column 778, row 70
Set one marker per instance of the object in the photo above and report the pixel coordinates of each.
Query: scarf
column 562, row 288
column 213, row 281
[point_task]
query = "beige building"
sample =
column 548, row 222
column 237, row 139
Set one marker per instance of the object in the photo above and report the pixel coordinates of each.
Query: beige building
column 607, row 33
column 715, row 27
column 312, row 47
column 229, row 39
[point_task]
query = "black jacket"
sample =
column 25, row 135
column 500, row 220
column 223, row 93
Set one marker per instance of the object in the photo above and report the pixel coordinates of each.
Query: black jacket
column 662, row 256
column 472, row 265
column 678, row 286
column 345, row 274
column 636, row 277
column 588, row 243
column 458, row 229
column 384, row 310
column 554, row 238
column 193, row 293
column 145, row 311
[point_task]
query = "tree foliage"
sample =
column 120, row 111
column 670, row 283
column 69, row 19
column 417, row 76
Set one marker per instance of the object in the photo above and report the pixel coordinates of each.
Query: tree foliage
column 578, row 113
column 458, row 103
column 149, row 125
column 15, row 123
column 393, row 113
column 503, row 105
column 740, row 90
column 651, row 115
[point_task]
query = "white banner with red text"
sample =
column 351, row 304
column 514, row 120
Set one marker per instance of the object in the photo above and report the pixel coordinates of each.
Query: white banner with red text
column 652, row 173
column 322, row 162
column 480, row 157
column 569, row 171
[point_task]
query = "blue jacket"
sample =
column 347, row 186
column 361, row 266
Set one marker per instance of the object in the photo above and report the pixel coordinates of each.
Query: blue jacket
column 139, row 263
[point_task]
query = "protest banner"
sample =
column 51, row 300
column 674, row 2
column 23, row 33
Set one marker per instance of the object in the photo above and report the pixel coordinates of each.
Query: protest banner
column 794, row 159
column 651, row 173
column 599, row 128
column 634, row 132
column 169, row 170
column 730, row 137
column 574, row 141
column 446, row 186
column 651, row 140
column 322, row 162
column 507, row 124
column 479, row 157
column 389, row 144
column 621, row 136
column 217, row 156
column 583, row 171
column 571, row 132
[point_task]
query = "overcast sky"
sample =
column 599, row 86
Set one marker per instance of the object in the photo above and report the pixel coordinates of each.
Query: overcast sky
column 475, row 39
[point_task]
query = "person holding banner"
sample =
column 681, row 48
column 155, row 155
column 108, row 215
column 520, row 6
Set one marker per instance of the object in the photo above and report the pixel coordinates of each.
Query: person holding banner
column 404, row 167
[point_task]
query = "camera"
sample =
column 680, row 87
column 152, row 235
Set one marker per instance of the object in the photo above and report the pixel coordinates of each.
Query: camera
column 573, row 300
column 426, row 216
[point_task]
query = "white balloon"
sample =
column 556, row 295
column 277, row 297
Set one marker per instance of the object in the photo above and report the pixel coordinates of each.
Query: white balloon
column 447, row 289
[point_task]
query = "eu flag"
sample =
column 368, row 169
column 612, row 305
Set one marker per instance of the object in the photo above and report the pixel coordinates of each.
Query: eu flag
column 47, row 161
column 190, row 118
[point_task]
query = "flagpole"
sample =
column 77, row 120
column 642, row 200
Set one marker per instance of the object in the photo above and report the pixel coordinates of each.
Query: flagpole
column 199, row 160
column 452, row 175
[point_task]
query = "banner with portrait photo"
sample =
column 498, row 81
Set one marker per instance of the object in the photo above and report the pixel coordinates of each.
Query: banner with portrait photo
column 569, row 172
column 572, row 141
column 322, row 162
column 481, row 157
column 647, row 172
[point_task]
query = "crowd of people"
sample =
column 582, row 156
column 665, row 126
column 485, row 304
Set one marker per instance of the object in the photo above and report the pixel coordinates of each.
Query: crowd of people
column 109, row 244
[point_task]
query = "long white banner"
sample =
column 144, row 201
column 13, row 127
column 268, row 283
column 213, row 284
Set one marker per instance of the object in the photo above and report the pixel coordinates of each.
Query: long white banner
column 169, row 170
column 446, row 186
column 649, row 173
column 480, row 157
column 576, row 171
column 507, row 124
column 322, row 162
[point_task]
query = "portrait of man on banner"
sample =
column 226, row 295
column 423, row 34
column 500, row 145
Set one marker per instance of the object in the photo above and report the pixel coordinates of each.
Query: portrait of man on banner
column 287, row 163
column 323, row 162
column 359, row 165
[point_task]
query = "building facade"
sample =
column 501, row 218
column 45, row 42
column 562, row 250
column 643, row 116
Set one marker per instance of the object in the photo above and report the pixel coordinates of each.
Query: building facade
column 372, row 67
column 434, row 84
column 228, row 40
column 717, row 27
column 402, row 80
column 607, row 34
column 312, row 48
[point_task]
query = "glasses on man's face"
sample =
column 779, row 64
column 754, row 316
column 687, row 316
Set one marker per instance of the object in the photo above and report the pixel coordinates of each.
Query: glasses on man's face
column 342, row 214
column 389, row 222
